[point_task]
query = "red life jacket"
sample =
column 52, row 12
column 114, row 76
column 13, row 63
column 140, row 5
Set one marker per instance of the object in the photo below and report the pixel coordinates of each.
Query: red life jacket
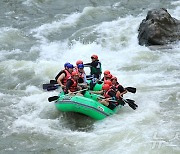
column 119, row 94
column 115, row 87
column 73, row 88
column 106, row 95
column 116, row 90
column 68, row 76
column 81, row 75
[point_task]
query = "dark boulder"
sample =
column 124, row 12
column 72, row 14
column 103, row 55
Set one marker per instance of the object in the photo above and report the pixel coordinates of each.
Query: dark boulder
column 159, row 28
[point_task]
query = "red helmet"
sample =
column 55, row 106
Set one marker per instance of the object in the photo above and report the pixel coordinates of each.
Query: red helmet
column 79, row 62
column 108, row 82
column 106, row 87
column 109, row 76
column 114, row 78
column 75, row 73
column 106, row 72
column 94, row 57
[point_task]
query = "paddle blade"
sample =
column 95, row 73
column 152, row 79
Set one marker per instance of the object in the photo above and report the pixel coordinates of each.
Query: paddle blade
column 130, row 100
column 49, row 86
column 131, row 89
column 53, row 98
column 131, row 103
column 53, row 82
column 45, row 86
column 52, row 88
column 132, row 106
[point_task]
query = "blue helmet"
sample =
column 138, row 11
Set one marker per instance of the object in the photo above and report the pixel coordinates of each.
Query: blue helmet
column 80, row 66
column 70, row 66
column 65, row 65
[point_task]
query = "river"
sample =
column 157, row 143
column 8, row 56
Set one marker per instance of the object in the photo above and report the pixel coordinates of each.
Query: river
column 38, row 36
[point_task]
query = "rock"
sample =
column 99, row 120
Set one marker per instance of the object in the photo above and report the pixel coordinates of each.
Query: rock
column 159, row 28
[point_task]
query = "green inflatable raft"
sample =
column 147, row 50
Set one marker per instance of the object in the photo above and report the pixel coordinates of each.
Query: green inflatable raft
column 87, row 105
column 97, row 86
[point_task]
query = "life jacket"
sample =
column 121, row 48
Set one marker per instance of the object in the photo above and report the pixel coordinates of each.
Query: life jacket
column 97, row 69
column 73, row 88
column 81, row 75
column 67, row 76
column 119, row 91
column 106, row 95
column 115, row 87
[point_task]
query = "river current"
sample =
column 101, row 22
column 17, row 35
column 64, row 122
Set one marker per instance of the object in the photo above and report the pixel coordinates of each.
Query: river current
column 38, row 36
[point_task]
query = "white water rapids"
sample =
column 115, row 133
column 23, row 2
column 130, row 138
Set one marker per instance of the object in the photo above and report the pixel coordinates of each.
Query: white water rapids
column 36, row 41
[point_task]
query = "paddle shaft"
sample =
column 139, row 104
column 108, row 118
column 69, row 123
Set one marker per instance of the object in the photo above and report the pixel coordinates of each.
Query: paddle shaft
column 128, row 101
column 131, row 89
column 53, row 98
column 52, row 85
column 77, row 91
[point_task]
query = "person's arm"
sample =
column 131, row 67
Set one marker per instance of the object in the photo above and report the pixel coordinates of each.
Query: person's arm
column 92, row 64
column 124, row 92
column 87, row 65
column 57, row 76
column 59, row 80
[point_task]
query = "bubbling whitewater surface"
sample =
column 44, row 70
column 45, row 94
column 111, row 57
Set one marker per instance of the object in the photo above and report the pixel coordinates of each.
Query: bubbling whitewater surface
column 37, row 37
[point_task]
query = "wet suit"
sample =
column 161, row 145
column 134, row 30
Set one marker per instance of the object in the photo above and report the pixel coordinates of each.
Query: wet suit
column 95, row 67
column 95, row 72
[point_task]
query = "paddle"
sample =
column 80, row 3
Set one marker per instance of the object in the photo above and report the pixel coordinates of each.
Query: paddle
column 50, row 84
column 128, row 101
column 45, row 86
column 53, row 85
column 131, row 89
column 50, row 87
column 53, row 98
column 53, row 81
